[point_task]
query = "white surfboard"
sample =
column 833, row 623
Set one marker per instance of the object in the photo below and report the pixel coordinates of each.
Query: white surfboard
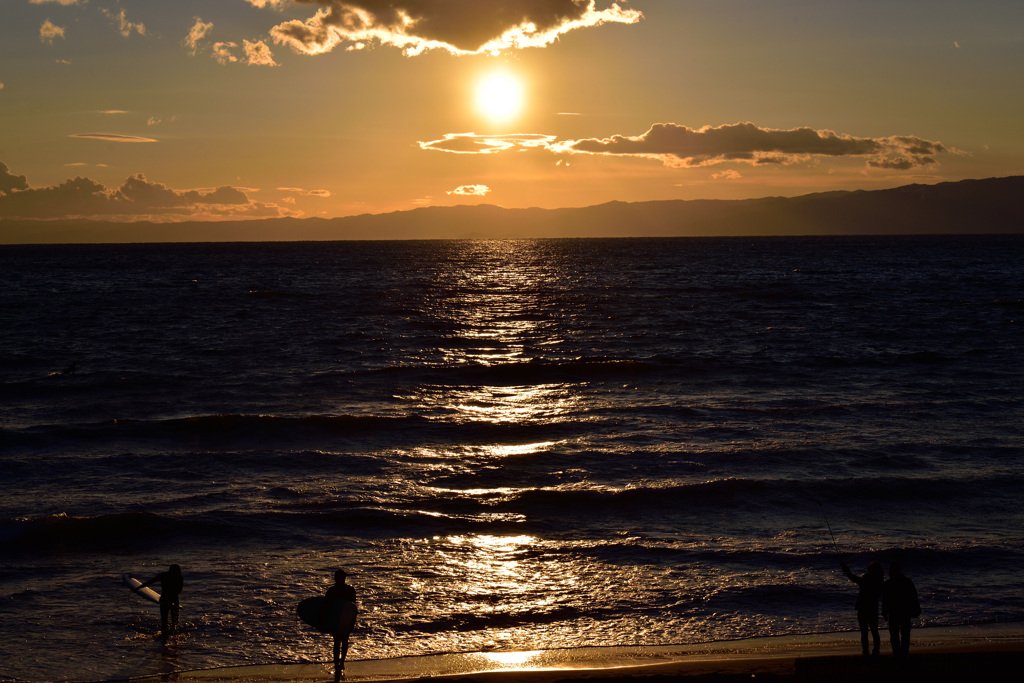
column 146, row 592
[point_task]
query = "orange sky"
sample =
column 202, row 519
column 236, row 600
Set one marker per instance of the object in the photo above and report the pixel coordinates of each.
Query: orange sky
column 132, row 109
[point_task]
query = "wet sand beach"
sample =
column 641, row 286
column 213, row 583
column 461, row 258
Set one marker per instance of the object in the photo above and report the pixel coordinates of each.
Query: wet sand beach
column 987, row 653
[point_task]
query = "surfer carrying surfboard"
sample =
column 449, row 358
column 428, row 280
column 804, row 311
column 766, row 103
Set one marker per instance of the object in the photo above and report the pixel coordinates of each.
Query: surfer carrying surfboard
column 340, row 591
column 171, row 585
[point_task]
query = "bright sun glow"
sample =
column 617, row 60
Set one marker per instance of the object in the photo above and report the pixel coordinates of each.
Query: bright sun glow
column 499, row 96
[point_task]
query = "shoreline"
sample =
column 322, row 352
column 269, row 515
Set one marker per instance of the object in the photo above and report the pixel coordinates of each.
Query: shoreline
column 988, row 652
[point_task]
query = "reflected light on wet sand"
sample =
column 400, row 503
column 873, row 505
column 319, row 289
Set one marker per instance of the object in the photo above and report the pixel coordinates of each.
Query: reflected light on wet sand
column 511, row 659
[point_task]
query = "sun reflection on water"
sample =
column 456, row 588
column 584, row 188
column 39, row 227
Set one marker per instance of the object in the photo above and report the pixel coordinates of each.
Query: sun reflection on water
column 492, row 300
column 495, row 325
column 494, row 316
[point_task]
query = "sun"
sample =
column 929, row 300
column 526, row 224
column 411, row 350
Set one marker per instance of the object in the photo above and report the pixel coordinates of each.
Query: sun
column 499, row 96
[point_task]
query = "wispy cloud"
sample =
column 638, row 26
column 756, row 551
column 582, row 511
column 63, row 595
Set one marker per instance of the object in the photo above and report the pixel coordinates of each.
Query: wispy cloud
column 137, row 198
column 65, row 3
column 306, row 193
column 455, row 26
column 222, row 52
column 470, row 190
column 111, row 137
column 471, row 143
column 49, row 31
column 256, row 53
column 124, row 26
column 728, row 174
column 198, row 31
column 681, row 146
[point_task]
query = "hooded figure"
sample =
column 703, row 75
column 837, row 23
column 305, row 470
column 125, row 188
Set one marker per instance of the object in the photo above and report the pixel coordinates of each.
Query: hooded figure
column 899, row 606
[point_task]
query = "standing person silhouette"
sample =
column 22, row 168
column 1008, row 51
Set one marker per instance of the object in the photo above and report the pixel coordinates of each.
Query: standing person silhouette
column 871, row 585
column 339, row 591
column 899, row 606
column 171, row 585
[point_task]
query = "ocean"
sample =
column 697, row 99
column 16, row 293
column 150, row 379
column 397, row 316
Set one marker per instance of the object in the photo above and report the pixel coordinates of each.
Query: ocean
column 509, row 445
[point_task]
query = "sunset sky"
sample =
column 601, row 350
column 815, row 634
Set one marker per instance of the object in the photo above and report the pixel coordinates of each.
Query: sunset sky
column 136, row 109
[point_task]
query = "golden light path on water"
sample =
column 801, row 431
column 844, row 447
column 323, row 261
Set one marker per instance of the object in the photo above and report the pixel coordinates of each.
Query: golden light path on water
column 525, row 583
column 497, row 319
column 517, row 587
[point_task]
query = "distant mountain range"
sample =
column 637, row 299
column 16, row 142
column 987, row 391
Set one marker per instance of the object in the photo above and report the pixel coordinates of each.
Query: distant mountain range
column 994, row 205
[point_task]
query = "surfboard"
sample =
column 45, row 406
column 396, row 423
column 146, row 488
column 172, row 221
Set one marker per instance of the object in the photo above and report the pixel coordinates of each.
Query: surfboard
column 340, row 616
column 146, row 592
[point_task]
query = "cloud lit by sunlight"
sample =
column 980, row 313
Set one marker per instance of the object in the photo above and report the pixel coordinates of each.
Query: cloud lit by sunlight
column 49, row 31
column 679, row 146
column 455, row 26
column 124, row 27
column 258, row 54
column 198, row 31
column 471, row 143
column 111, row 137
column 470, row 190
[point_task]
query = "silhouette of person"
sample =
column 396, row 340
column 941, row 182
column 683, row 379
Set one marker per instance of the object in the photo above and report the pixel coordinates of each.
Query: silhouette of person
column 339, row 591
column 870, row 593
column 899, row 606
column 171, row 585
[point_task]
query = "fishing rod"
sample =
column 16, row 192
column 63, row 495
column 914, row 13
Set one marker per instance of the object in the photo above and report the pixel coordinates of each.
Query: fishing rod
column 834, row 544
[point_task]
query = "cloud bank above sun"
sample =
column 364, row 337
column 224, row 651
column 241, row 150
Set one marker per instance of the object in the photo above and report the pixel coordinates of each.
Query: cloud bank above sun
column 455, row 26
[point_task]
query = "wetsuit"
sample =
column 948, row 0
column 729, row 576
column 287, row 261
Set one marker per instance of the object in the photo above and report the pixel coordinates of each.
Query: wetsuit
column 171, row 585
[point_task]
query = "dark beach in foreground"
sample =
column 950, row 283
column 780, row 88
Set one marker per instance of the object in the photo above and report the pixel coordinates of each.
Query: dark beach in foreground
column 985, row 653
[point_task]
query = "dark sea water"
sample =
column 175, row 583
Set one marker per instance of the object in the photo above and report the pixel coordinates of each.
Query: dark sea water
column 511, row 445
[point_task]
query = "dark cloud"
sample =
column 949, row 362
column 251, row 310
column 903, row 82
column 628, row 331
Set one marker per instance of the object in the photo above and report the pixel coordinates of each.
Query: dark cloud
column 458, row 26
column 137, row 197
column 9, row 181
column 677, row 145
column 222, row 195
column 682, row 147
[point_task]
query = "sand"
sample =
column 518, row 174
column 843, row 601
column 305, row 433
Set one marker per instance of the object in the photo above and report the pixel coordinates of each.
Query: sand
column 963, row 654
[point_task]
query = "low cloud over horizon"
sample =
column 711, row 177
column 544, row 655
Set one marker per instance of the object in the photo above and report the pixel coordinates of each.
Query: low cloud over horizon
column 111, row 137
column 680, row 146
column 471, row 143
column 137, row 197
column 455, row 26
column 676, row 145
column 470, row 190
